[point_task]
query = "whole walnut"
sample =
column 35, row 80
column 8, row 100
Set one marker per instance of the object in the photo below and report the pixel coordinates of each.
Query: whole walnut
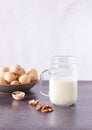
column 2, row 74
column 17, row 69
column 9, row 76
column 33, row 74
column 15, row 82
column 4, row 69
column 24, row 79
column 3, row 82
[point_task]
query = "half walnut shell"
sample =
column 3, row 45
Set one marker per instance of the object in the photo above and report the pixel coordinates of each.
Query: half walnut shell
column 18, row 95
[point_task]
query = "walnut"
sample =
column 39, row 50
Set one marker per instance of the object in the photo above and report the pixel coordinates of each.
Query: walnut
column 42, row 107
column 4, row 69
column 46, row 108
column 24, row 79
column 17, row 69
column 2, row 74
column 33, row 102
column 33, row 74
column 9, row 76
column 39, row 107
column 15, row 82
column 18, row 95
column 3, row 82
column 32, row 70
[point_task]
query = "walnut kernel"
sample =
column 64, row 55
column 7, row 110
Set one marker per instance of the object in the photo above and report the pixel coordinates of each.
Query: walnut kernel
column 46, row 108
column 33, row 102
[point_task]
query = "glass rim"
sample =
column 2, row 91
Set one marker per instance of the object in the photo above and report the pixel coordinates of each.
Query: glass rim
column 63, row 60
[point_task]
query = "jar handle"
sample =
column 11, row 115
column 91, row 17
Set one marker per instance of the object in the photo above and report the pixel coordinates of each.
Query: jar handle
column 44, row 84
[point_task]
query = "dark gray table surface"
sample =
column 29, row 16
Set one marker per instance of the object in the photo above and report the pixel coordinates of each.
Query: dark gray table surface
column 18, row 115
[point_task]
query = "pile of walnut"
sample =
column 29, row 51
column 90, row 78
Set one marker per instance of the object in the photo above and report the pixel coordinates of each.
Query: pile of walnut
column 42, row 107
column 16, row 75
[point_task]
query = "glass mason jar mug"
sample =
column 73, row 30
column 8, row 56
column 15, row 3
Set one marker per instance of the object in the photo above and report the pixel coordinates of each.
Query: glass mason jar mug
column 62, row 81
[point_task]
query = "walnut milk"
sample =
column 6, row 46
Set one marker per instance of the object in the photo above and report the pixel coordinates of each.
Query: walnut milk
column 62, row 81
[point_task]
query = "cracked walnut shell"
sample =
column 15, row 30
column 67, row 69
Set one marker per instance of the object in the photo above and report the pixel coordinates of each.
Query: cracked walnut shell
column 18, row 95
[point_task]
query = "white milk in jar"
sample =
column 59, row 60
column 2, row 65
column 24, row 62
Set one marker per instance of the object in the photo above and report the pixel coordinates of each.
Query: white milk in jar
column 63, row 91
column 62, row 81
